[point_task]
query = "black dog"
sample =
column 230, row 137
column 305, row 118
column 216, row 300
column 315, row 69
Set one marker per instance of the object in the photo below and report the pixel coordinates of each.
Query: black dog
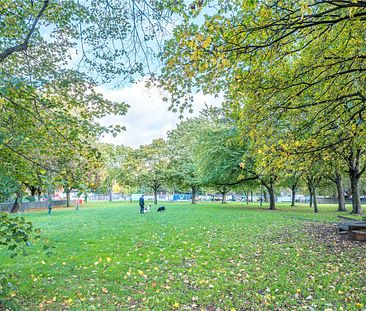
column 161, row 209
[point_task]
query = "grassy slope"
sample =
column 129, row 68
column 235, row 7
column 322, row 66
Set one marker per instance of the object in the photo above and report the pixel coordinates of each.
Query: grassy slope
column 107, row 256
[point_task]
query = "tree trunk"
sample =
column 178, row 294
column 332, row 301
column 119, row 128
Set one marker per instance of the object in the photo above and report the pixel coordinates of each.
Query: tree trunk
column 68, row 197
column 272, row 198
column 110, row 189
column 293, row 194
column 77, row 201
column 247, row 197
column 194, row 191
column 251, row 196
column 355, row 190
column 265, row 196
column 39, row 193
column 32, row 190
column 261, row 198
column 16, row 206
column 340, row 192
column 310, row 195
column 49, row 201
column 315, row 200
column 223, row 193
column 355, row 175
column 155, row 196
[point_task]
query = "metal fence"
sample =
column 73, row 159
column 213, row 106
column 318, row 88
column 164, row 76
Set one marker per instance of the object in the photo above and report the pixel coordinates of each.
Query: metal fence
column 6, row 207
column 333, row 200
column 104, row 197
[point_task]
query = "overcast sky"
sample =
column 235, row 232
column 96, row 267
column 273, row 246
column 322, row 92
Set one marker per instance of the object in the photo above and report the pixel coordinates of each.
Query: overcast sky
column 148, row 117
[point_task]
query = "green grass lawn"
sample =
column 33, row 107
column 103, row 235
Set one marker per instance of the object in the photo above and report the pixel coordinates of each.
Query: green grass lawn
column 107, row 256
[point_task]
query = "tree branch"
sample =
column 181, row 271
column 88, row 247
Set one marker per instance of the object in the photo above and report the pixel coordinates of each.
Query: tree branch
column 240, row 181
column 23, row 46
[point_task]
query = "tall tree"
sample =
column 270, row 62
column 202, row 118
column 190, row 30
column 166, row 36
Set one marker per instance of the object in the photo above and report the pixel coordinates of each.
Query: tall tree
column 292, row 180
column 218, row 155
column 183, row 167
column 155, row 160
column 113, row 158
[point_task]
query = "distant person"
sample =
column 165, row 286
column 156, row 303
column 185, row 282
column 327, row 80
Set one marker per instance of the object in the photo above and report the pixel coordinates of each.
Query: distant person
column 49, row 205
column 78, row 200
column 142, row 204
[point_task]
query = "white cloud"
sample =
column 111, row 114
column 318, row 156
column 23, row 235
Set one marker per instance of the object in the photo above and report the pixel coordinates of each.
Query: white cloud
column 148, row 116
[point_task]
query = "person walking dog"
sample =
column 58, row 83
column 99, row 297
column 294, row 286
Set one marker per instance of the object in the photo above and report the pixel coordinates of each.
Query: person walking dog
column 142, row 204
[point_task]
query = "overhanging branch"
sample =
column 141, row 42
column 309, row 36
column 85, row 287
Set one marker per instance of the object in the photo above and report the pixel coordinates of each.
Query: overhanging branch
column 240, row 181
column 24, row 45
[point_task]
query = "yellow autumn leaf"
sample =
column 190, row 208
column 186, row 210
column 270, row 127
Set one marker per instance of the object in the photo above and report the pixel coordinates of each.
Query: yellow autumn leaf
column 109, row 259
column 207, row 42
column 225, row 62
column 199, row 37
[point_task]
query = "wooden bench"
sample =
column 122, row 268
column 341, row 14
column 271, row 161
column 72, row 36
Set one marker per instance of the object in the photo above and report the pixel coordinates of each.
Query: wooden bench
column 346, row 226
column 356, row 229
column 357, row 226
column 358, row 235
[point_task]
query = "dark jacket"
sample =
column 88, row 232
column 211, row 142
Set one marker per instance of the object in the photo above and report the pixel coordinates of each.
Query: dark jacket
column 142, row 201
